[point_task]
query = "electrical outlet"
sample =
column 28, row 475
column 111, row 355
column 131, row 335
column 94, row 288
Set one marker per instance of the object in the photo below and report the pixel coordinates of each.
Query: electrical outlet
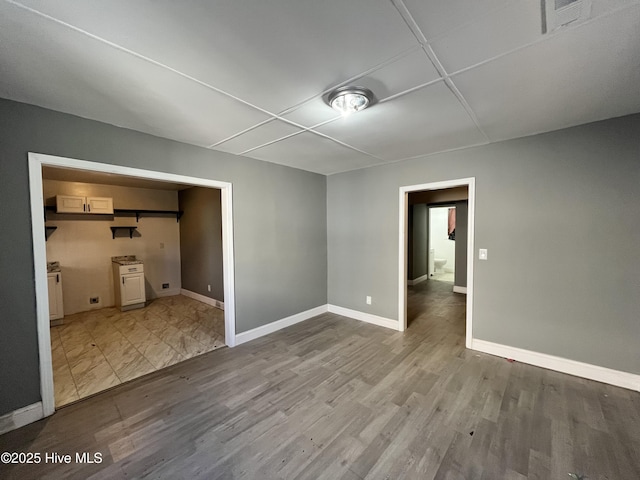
column 161, row 244
column 165, row 285
column 368, row 300
column 208, row 288
column 94, row 300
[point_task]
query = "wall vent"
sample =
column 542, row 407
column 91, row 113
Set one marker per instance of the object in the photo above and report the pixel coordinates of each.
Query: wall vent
column 559, row 13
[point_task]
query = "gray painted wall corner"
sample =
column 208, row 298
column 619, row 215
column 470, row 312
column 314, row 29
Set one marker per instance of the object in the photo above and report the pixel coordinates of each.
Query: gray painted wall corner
column 280, row 217
column 559, row 215
column 201, row 241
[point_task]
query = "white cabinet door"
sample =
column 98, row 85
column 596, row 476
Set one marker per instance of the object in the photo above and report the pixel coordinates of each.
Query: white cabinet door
column 132, row 289
column 74, row 204
column 70, row 204
column 99, row 205
column 54, row 285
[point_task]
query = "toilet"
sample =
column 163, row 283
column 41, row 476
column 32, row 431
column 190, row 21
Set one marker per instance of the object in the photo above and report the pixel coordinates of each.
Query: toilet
column 439, row 263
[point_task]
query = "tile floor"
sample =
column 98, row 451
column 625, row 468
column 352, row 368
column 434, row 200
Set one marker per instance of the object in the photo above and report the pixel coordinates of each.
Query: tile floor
column 444, row 276
column 96, row 350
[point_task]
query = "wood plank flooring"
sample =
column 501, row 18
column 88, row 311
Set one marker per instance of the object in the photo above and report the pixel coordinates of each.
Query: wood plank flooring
column 334, row 398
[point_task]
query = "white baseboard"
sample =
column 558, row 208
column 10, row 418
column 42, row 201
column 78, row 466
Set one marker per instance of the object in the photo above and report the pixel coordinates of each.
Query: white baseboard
column 201, row 298
column 168, row 292
column 458, row 289
column 364, row 317
column 21, row 417
column 279, row 324
column 418, row 280
column 559, row 364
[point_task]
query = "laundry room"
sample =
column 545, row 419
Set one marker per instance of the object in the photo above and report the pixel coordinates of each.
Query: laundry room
column 83, row 243
column 119, row 308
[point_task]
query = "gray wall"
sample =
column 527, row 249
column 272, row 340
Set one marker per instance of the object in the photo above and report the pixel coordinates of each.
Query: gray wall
column 418, row 238
column 201, row 241
column 462, row 211
column 279, row 227
column 410, row 236
column 559, row 214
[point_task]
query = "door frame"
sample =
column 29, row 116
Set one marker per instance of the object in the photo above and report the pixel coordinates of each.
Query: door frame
column 403, row 255
column 429, row 207
column 36, row 162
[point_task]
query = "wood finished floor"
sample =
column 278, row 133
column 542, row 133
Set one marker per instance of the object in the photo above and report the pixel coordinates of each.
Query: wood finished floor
column 334, row 398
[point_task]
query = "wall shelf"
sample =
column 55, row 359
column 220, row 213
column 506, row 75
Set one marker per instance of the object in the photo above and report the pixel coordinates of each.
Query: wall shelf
column 53, row 209
column 115, row 229
column 140, row 212
column 122, row 212
column 48, row 230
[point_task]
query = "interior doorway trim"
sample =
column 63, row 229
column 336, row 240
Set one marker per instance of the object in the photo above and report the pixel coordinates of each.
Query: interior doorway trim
column 403, row 254
column 36, row 162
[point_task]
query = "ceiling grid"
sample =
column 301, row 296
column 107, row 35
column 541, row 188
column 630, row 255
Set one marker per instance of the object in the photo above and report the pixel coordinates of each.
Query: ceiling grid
column 252, row 79
column 402, row 9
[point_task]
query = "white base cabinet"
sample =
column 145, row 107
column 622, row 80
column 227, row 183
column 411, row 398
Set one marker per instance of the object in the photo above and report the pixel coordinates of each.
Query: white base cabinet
column 132, row 289
column 54, row 285
column 129, row 286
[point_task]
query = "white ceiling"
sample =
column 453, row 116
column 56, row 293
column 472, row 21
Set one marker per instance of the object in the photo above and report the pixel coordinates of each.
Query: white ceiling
column 86, row 176
column 250, row 77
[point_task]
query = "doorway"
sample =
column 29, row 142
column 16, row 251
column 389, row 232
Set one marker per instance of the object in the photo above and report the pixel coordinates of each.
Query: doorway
column 36, row 164
column 441, row 248
column 404, row 192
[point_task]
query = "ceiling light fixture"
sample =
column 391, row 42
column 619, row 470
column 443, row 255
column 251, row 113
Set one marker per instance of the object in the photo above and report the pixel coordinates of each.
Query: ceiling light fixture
column 348, row 100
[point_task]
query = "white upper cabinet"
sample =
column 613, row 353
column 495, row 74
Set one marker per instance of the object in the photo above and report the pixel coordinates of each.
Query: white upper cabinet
column 70, row 204
column 99, row 205
column 76, row 204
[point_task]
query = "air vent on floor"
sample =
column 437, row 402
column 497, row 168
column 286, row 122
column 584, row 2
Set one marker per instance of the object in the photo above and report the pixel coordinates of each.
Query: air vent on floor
column 559, row 13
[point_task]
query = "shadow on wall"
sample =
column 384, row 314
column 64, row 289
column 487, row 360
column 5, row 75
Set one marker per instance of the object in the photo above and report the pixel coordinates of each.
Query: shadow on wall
column 201, row 241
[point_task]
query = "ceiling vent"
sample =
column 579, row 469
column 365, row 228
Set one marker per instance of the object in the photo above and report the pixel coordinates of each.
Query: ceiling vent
column 559, row 13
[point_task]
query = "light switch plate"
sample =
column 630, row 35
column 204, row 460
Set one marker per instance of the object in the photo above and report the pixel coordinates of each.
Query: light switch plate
column 482, row 254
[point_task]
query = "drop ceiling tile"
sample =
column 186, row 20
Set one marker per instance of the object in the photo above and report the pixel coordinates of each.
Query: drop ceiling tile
column 600, row 7
column 583, row 74
column 267, row 132
column 312, row 113
column 401, row 75
column 314, row 153
column 489, row 35
column 407, row 72
column 46, row 64
column 516, row 25
column 437, row 17
column 424, row 121
column 271, row 54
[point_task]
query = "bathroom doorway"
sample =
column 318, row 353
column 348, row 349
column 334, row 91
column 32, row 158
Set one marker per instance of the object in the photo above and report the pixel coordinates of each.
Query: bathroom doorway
column 414, row 279
column 442, row 243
